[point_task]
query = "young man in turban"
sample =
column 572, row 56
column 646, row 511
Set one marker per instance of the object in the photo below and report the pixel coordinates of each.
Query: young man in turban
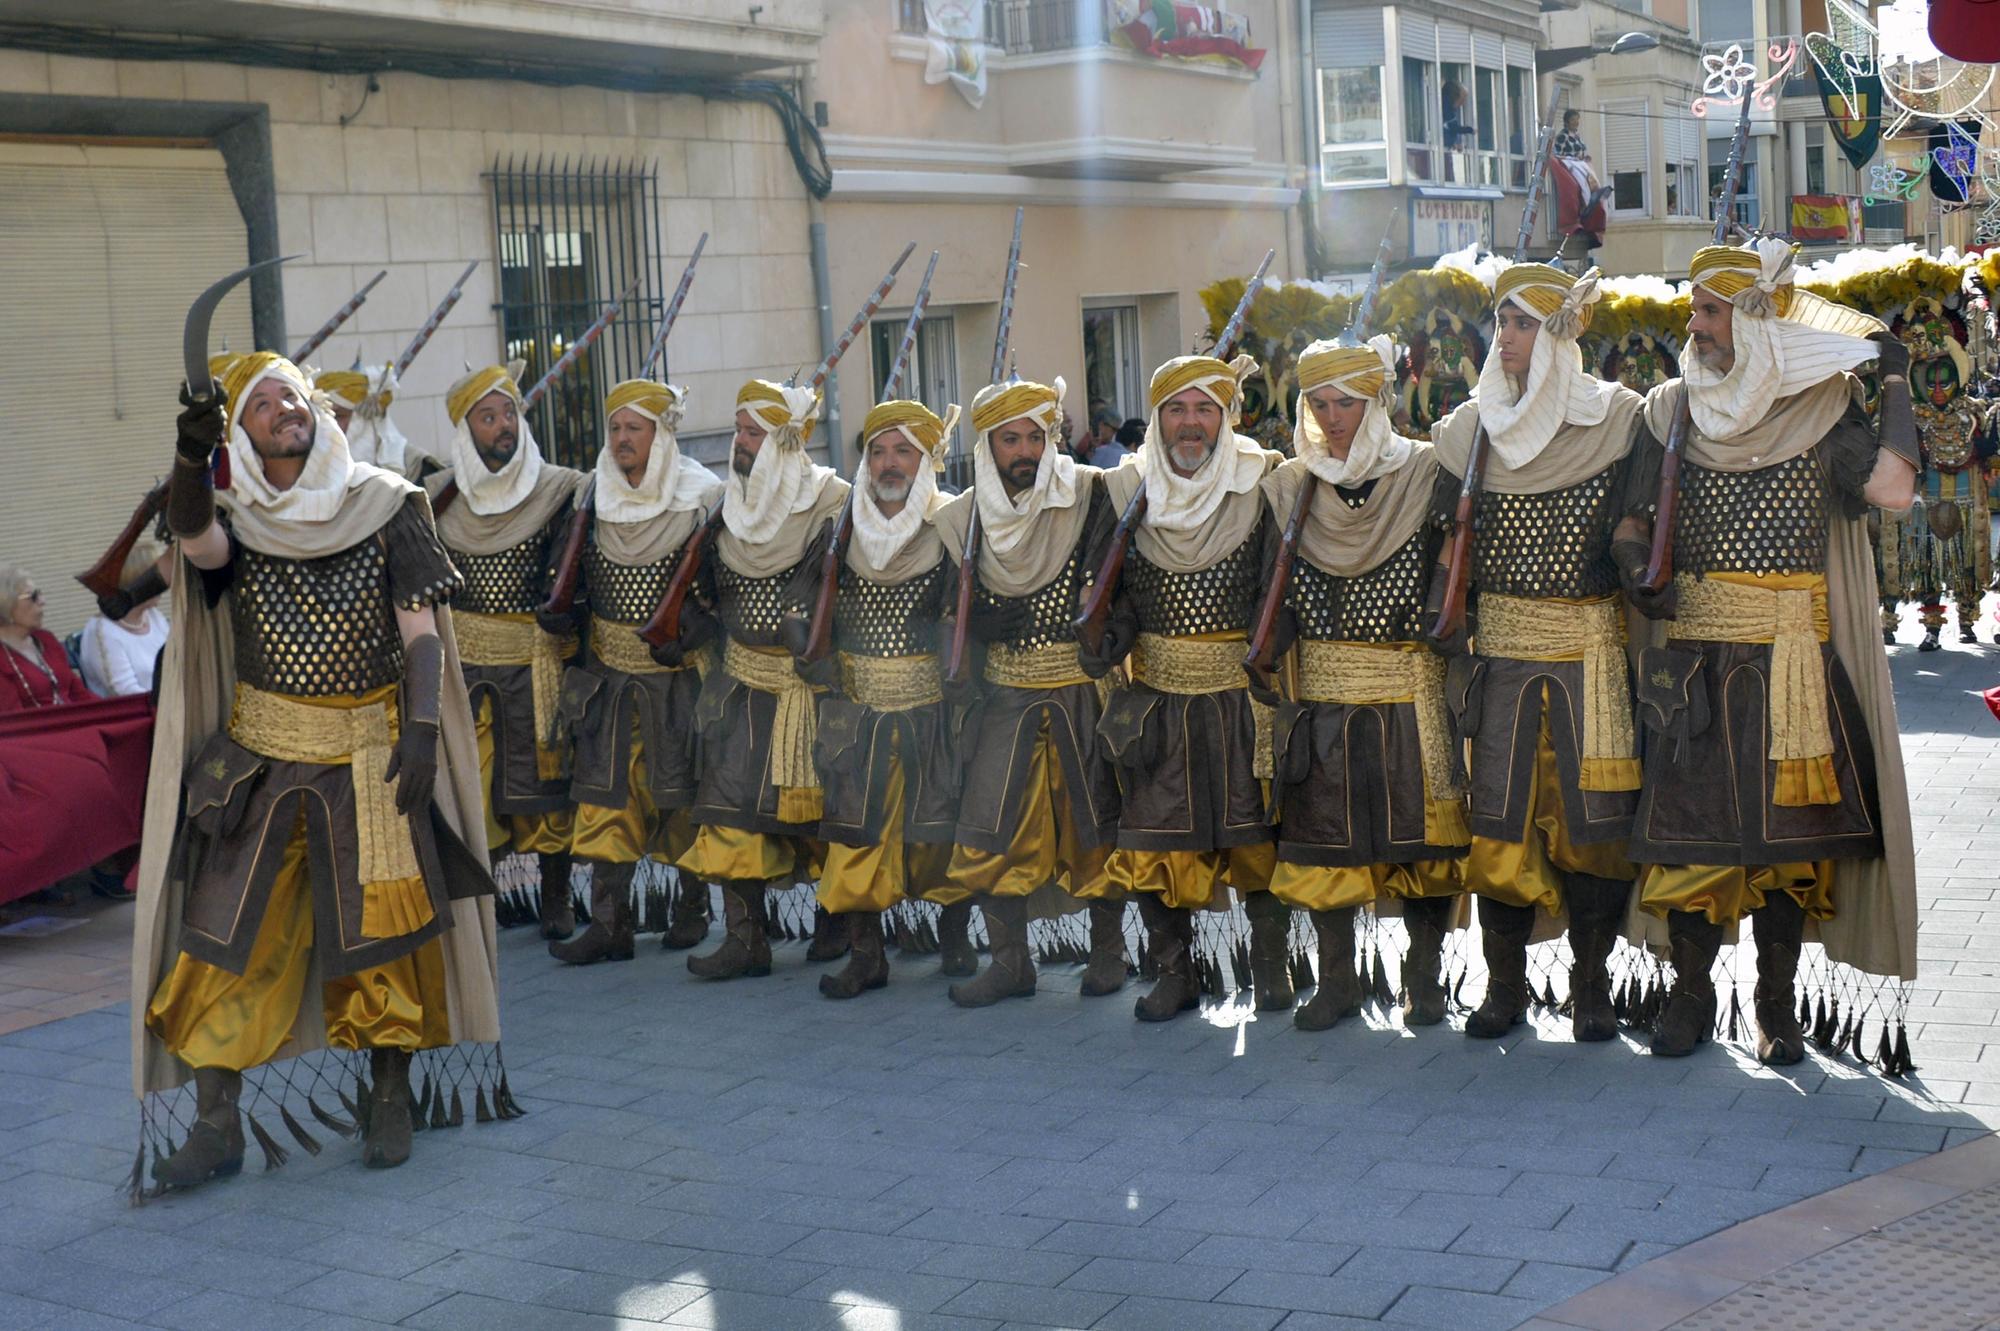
column 628, row 709
column 314, row 868
column 1039, row 803
column 1546, row 701
column 1774, row 781
column 757, row 807
column 360, row 400
column 883, row 753
column 1191, row 747
column 1370, row 809
column 501, row 513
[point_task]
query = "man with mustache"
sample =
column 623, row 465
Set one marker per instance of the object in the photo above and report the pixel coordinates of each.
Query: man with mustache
column 757, row 805
column 1039, row 804
column 1545, row 699
column 1774, row 780
column 314, row 869
column 628, row 710
column 883, row 753
column 1191, row 747
column 504, row 529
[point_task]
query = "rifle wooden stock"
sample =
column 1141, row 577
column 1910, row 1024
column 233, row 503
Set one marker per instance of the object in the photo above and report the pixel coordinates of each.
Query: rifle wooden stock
column 819, row 635
column 968, row 574
column 665, row 625
column 562, row 591
column 1089, row 625
column 101, row 578
column 1458, row 556
column 1258, row 659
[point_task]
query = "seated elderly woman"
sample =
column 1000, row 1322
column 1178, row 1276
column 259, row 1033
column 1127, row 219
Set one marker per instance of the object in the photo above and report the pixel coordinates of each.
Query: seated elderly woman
column 121, row 645
column 36, row 671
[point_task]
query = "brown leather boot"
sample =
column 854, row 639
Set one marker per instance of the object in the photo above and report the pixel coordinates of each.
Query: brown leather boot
column 1008, row 973
column 1170, row 945
column 867, row 964
column 1596, row 915
column 1105, row 972
column 1504, row 933
column 385, row 1142
column 688, row 924
column 1427, row 919
column 214, row 1145
column 1779, row 926
column 829, row 940
column 1338, row 993
column 609, row 937
column 745, row 947
column 1270, row 951
column 558, row 908
column 1689, row 1017
column 956, row 955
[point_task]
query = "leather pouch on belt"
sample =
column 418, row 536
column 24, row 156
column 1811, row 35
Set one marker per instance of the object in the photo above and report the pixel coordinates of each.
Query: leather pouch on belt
column 1291, row 751
column 837, row 742
column 1464, row 687
column 1122, row 725
column 1673, row 694
column 579, row 687
column 713, row 703
column 219, row 785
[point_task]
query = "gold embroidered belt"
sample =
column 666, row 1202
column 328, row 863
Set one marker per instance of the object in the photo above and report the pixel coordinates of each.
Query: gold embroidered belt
column 891, row 683
column 516, row 640
column 1793, row 620
column 795, row 725
column 346, row 730
column 1198, row 666
column 620, row 647
column 1359, row 673
column 1052, row 666
column 1593, row 632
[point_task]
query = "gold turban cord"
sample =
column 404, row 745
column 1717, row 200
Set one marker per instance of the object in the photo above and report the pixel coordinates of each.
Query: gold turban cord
column 924, row 427
column 765, row 401
column 1731, row 270
column 245, row 370
column 346, row 387
column 1218, row 379
column 648, row 395
column 995, row 406
column 494, row 378
column 1355, row 369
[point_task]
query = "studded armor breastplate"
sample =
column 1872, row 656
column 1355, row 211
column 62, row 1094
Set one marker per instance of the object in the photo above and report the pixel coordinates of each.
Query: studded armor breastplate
column 507, row 582
column 1557, row 543
column 1052, row 610
column 1385, row 604
column 1218, row 599
column 751, row 608
column 627, row 593
column 889, row 618
column 1772, row 520
column 315, row 627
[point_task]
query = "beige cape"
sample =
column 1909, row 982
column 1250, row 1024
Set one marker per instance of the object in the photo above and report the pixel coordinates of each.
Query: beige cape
column 1573, row 456
column 1346, row 541
column 918, row 555
column 489, row 533
column 1042, row 557
column 783, row 551
column 1216, row 539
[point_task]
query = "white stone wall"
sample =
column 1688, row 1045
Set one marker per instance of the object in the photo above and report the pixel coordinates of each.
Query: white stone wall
column 400, row 188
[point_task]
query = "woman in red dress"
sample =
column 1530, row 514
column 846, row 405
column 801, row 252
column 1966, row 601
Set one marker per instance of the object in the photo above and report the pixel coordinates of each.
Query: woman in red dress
column 36, row 671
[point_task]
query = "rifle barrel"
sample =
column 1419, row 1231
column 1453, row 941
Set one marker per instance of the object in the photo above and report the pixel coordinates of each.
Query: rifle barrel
column 861, row 318
column 340, row 316
column 423, row 336
column 901, row 363
column 1005, row 325
column 581, row 345
column 659, row 347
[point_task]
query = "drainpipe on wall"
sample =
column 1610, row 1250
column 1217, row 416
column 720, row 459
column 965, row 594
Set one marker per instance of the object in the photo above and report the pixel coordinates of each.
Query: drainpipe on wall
column 1309, row 198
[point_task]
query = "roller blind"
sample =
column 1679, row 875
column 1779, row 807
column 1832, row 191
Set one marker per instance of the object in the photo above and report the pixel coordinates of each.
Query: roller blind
column 1487, row 47
column 1624, row 143
column 104, row 249
column 1419, row 34
column 1347, row 38
column 1454, row 43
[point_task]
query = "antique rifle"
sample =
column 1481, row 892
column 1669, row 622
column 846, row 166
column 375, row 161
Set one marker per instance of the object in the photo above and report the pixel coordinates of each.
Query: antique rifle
column 665, row 625
column 1660, row 560
column 1257, row 661
column 340, row 316
column 657, row 356
column 1089, row 625
column 402, row 363
column 101, row 578
column 968, row 562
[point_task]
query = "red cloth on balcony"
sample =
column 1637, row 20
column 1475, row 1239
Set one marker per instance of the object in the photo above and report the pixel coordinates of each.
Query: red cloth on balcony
column 1570, row 198
column 25, row 684
column 72, row 788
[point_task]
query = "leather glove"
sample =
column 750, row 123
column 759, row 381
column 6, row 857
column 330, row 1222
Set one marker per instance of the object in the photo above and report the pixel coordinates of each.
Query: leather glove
column 1458, row 641
column 823, row 673
column 1892, row 355
column 200, row 426
column 997, row 621
column 698, row 629
column 413, row 763
column 1263, row 686
column 1117, row 645
column 1631, row 556
column 140, row 590
column 556, row 623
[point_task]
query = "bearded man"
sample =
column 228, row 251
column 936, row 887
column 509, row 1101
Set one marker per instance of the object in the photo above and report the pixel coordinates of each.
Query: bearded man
column 1039, row 803
column 1370, row 809
column 627, row 709
column 311, row 822
column 758, row 804
column 360, row 400
column 1775, row 786
column 1190, row 745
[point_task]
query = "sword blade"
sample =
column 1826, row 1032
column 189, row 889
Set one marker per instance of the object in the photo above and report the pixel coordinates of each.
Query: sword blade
column 194, row 334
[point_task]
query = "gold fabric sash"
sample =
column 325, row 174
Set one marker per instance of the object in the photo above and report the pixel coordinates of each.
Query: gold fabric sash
column 1198, row 665
column 891, row 683
column 618, row 646
column 1363, row 673
column 1793, row 620
column 361, row 734
column 516, row 640
column 1593, row 632
column 1053, row 666
column 795, row 727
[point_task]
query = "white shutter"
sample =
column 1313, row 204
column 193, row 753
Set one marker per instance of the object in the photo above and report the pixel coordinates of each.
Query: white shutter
column 1454, row 43
column 1520, row 54
column 104, row 249
column 1419, row 40
column 1623, row 143
column 1487, row 48
column 1346, row 38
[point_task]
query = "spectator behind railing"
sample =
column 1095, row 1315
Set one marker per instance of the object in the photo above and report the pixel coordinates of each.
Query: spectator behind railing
column 36, row 671
column 118, row 655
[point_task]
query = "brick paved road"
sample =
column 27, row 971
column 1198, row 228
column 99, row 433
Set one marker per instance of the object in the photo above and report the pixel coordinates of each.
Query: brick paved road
column 751, row 1157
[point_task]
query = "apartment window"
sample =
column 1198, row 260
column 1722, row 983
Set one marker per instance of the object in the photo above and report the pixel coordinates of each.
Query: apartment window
column 931, row 377
column 1522, row 131
column 1625, row 164
column 1111, row 359
column 1353, row 130
column 1682, row 137
column 1746, row 212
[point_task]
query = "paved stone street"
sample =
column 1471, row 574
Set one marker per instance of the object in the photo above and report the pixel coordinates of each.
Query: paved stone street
column 749, row 1156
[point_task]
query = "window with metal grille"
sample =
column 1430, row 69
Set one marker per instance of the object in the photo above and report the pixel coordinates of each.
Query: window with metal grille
column 570, row 237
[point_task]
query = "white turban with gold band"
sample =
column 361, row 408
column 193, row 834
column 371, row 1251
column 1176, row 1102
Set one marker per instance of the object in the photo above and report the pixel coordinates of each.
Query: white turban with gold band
column 321, row 488
column 1185, row 503
column 1521, row 417
column 1004, row 524
column 1785, row 340
column 1367, row 372
column 669, row 483
column 879, row 538
column 371, row 435
column 756, row 506
column 488, row 492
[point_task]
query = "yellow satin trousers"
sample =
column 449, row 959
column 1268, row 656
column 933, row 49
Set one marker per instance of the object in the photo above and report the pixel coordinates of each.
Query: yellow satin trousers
column 1316, row 887
column 529, row 833
column 1044, row 847
column 878, row 876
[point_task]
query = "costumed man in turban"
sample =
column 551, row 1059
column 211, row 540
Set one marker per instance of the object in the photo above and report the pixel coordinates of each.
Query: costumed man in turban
column 883, row 752
column 1370, row 808
column 1774, row 782
column 1191, row 747
column 1546, row 701
column 360, row 400
column 314, row 868
column 502, row 511
column 758, row 804
column 627, row 709
column 1039, row 803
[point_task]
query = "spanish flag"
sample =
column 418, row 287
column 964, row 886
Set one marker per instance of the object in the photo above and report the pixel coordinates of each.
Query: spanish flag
column 1819, row 217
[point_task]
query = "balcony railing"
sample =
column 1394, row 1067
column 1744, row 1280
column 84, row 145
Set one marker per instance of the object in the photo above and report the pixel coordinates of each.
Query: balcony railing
column 1024, row 27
